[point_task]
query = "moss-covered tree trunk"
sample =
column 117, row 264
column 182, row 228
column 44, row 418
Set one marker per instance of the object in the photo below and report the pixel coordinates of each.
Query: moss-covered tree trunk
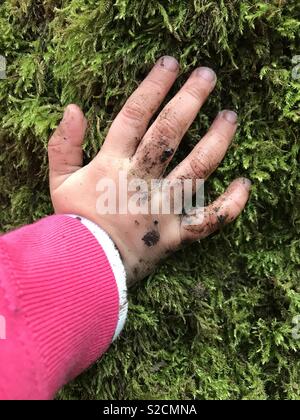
column 216, row 320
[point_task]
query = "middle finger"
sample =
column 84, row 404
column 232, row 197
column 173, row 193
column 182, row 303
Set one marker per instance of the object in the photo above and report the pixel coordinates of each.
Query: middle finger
column 163, row 137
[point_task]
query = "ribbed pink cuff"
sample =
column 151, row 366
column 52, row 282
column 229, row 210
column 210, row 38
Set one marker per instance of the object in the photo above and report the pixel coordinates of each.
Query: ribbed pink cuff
column 61, row 302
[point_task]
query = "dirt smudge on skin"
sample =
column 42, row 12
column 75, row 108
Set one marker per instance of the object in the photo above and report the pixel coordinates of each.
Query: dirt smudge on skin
column 147, row 162
column 167, row 153
column 151, row 238
column 195, row 229
column 222, row 219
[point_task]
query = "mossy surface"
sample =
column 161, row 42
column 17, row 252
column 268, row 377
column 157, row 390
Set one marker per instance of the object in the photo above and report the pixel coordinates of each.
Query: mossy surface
column 215, row 321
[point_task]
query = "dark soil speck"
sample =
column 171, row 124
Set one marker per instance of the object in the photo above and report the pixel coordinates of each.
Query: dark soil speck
column 222, row 219
column 151, row 238
column 167, row 153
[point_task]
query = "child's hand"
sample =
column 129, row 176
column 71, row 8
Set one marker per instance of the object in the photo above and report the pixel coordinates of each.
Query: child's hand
column 145, row 153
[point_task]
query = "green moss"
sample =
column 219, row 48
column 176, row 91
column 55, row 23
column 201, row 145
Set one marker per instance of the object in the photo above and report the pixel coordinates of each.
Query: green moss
column 215, row 321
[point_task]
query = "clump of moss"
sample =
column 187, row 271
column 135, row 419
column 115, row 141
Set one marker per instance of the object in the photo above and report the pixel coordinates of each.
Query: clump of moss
column 215, row 323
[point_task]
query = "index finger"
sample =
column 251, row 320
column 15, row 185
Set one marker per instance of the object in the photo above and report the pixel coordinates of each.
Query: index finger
column 131, row 123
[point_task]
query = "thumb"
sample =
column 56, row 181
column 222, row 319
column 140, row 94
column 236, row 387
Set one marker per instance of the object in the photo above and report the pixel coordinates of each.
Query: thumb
column 65, row 146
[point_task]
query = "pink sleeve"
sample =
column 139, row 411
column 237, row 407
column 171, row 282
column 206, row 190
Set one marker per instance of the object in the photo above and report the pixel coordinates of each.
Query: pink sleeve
column 59, row 306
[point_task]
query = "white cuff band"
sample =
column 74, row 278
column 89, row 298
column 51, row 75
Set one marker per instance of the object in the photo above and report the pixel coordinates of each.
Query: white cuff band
column 116, row 264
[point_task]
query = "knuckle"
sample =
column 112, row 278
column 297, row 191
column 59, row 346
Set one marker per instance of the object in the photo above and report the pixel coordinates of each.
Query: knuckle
column 236, row 206
column 221, row 137
column 57, row 138
column 54, row 149
column 201, row 166
column 167, row 128
column 155, row 84
column 54, row 146
column 135, row 111
column 212, row 222
column 196, row 91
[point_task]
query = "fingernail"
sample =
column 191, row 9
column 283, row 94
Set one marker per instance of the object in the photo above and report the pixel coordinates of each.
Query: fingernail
column 169, row 63
column 230, row 116
column 207, row 74
column 246, row 182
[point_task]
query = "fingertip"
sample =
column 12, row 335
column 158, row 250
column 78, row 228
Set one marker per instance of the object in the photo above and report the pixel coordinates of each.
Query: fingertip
column 169, row 63
column 245, row 182
column 73, row 125
column 73, row 110
column 224, row 126
column 229, row 116
column 207, row 74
